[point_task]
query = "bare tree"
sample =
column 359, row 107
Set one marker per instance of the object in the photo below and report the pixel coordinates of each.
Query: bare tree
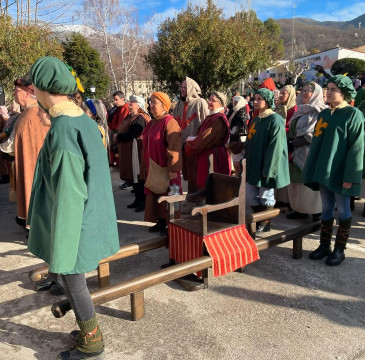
column 131, row 39
column 120, row 38
column 101, row 16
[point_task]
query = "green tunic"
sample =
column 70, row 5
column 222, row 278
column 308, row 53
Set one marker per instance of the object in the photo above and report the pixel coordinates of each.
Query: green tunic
column 336, row 153
column 360, row 96
column 267, row 153
column 71, row 214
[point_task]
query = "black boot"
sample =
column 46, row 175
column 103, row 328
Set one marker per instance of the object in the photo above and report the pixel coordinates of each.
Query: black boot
column 336, row 257
column 4, row 179
column 160, row 225
column 342, row 236
column 324, row 248
column 44, row 284
column 363, row 212
column 20, row 221
column 140, row 197
column 141, row 206
column 134, row 204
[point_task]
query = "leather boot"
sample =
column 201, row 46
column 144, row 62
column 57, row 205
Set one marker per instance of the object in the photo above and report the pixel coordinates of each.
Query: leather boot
column 89, row 343
column 342, row 236
column 324, row 248
column 265, row 225
column 160, row 225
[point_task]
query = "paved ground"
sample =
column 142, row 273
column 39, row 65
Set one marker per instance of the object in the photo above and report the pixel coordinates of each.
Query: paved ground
column 279, row 308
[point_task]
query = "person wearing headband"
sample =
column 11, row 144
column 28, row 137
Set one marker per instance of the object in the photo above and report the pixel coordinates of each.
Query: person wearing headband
column 72, row 215
column 334, row 166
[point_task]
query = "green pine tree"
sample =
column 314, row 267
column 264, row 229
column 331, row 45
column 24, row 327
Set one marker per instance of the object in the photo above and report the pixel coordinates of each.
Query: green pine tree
column 213, row 50
column 86, row 62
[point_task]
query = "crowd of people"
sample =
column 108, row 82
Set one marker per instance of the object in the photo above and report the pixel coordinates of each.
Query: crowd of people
column 302, row 148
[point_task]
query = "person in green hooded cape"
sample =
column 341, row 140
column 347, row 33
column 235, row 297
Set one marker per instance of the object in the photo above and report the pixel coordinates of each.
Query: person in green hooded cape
column 266, row 156
column 334, row 166
column 71, row 214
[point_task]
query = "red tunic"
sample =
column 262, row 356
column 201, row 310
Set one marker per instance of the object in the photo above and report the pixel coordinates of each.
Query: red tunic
column 161, row 143
column 212, row 136
column 119, row 115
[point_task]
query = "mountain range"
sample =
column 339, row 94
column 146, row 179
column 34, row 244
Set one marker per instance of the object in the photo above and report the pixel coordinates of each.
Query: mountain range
column 311, row 35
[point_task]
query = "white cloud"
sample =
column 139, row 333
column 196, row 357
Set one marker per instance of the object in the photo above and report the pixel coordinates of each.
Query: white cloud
column 340, row 13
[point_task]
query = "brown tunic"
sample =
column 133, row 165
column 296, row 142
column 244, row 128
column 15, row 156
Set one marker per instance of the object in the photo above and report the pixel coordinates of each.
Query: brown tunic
column 29, row 138
column 212, row 136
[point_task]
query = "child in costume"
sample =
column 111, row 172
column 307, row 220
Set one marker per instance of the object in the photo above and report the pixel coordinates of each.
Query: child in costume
column 267, row 156
column 334, row 165
column 71, row 213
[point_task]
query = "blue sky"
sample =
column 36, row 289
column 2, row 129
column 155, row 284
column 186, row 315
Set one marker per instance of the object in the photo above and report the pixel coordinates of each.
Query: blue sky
column 334, row 10
column 328, row 10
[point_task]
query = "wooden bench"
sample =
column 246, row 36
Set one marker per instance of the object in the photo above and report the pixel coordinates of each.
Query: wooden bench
column 135, row 287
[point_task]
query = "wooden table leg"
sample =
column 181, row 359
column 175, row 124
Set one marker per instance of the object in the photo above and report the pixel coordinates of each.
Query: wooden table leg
column 297, row 248
column 103, row 275
column 137, row 306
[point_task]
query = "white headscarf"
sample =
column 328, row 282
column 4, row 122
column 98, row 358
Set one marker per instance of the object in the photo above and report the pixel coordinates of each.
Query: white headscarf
column 139, row 100
column 241, row 102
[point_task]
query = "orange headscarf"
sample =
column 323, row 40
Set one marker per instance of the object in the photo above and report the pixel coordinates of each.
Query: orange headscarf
column 164, row 98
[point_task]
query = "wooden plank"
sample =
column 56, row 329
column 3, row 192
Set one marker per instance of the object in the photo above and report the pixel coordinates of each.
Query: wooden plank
column 124, row 251
column 210, row 208
column 138, row 284
column 288, row 235
column 171, row 198
column 135, row 249
column 262, row 215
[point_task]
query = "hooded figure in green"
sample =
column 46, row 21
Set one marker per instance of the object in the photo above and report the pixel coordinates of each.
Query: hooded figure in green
column 334, row 165
column 72, row 216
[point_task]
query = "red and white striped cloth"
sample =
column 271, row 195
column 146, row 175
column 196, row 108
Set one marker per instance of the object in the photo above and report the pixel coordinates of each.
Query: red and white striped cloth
column 229, row 249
